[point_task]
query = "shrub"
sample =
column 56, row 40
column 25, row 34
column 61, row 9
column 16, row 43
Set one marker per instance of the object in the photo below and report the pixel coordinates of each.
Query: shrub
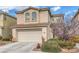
column 67, row 44
column 0, row 37
column 75, row 39
column 60, row 38
column 61, row 42
column 51, row 46
column 55, row 45
column 6, row 39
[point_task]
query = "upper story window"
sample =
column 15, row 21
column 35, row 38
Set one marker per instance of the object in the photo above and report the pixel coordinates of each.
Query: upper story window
column 27, row 16
column 34, row 16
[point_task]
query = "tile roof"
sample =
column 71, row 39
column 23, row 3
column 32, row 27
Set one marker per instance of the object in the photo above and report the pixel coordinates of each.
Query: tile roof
column 57, row 15
column 40, row 9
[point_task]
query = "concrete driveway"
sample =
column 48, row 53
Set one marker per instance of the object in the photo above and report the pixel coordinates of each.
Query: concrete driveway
column 18, row 47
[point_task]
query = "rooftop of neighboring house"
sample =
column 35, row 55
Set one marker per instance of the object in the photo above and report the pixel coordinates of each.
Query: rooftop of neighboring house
column 57, row 15
column 5, row 13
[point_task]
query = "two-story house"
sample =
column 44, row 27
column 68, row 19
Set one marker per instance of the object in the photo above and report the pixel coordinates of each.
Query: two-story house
column 33, row 25
column 6, row 21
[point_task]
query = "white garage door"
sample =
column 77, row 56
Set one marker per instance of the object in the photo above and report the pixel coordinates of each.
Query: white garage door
column 29, row 35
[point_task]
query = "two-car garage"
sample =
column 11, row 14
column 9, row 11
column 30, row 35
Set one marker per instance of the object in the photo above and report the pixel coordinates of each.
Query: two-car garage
column 31, row 35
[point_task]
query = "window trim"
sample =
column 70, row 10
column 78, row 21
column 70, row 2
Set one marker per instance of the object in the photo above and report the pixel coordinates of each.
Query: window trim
column 34, row 19
column 27, row 18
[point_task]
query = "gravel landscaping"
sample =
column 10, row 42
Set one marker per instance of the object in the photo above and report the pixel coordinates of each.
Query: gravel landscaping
column 74, row 50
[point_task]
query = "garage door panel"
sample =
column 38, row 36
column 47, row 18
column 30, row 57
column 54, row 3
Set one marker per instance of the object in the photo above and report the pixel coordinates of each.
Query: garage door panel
column 29, row 36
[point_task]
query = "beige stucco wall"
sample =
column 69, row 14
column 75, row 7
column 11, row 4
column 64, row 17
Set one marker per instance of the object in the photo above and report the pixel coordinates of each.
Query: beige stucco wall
column 6, row 21
column 14, row 34
column 78, row 17
column 1, row 19
column 50, row 34
column 42, row 17
column 44, row 33
column 9, row 21
column 20, row 18
column 0, row 31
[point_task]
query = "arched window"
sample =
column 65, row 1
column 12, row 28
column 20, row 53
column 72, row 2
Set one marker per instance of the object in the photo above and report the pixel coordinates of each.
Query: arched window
column 34, row 16
column 27, row 16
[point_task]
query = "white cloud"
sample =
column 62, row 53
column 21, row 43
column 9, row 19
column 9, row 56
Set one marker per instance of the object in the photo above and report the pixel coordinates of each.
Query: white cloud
column 36, row 6
column 19, row 8
column 55, row 8
column 69, row 12
column 6, row 8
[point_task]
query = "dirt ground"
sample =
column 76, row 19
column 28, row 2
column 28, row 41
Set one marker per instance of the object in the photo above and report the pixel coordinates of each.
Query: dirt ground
column 4, row 42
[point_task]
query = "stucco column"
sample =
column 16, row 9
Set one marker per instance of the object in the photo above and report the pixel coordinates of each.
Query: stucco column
column 14, row 35
column 0, row 31
column 44, row 33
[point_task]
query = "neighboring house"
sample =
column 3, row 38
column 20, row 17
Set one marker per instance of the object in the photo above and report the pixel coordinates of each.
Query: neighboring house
column 74, row 27
column 57, row 18
column 6, row 21
column 33, row 25
column 57, row 25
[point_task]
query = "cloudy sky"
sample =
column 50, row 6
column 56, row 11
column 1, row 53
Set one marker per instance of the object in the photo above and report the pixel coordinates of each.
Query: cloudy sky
column 68, row 11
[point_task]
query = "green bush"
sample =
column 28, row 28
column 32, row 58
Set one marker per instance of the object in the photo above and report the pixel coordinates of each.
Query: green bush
column 55, row 45
column 67, row 44
column 6, row 39
column 51, row 46
column 75, row 38
column 60, row 38
column 61, row 43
